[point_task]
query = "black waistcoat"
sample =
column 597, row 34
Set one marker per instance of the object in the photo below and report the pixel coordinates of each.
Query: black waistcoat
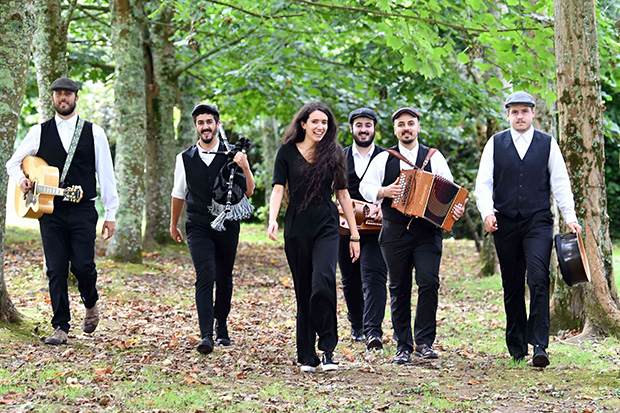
column 395, row 217
column 353, row 179
column 200, row 179
column 521, row 185
column 82, row 169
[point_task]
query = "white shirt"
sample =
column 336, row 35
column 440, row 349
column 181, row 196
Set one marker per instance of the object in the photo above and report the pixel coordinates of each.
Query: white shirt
column 103, row 159
column 179, row 189
column 373, row 180
column 560, row 183
column 359, row 161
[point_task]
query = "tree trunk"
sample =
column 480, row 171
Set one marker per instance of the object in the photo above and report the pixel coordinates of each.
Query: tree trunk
column 17, row 22
column 186, row 134
column 50, row 52
column 582, row 142
column 160, row 148
column 487, row 257
column 271, row 142
column 130, row 107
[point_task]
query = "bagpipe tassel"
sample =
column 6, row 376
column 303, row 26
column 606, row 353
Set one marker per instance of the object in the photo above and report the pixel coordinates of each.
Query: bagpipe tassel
column 241, row 210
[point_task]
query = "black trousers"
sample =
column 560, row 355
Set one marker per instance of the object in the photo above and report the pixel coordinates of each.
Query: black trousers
column 364, row 284
column 68, row 235
column 418, row 249
column 524, row 247
column 312, row 259
column 213, row 254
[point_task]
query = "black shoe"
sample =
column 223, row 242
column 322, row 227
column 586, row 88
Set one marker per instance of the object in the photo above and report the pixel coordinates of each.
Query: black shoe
column 402, row 357
column 540, row 358
column 373, row 342
column 221, row 334
column 357, row 334
column 205, row 346
column 425, row 351
column 328, row 362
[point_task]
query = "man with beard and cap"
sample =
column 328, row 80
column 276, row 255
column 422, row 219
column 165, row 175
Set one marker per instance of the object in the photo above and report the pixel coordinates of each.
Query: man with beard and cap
column 519, row 169
column 213, row 252
column 363, row 281
column 68, row 233
column 407, row 242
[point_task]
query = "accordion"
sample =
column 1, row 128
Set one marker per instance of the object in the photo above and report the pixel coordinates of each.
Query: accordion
column 429, row 196
column 365, row 218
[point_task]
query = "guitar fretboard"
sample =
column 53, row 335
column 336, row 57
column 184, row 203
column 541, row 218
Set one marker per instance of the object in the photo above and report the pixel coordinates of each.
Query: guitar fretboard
column 50, row 190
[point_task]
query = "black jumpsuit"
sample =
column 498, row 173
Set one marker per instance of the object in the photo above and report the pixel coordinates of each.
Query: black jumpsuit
column 311, row 245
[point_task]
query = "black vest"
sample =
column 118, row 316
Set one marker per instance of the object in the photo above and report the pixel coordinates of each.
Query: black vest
column 395, row 217
column 353, row 179
column 82, row 169
column 200, row 179
column 521, row 185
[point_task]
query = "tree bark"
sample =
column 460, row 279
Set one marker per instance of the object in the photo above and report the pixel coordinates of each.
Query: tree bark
column 487, row 257
column 50, row 52
column 17, row 22
column 130, row 107
column 582, row 142
column 160, row 148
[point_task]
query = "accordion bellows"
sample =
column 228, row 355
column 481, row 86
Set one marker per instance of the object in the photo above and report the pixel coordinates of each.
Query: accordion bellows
column 429, row 196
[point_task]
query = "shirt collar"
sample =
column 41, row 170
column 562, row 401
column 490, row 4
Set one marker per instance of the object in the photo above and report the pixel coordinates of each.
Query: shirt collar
column 357, row 152
column 528, row 135
column 71, row 121
column 203, row 150
column 413, row 152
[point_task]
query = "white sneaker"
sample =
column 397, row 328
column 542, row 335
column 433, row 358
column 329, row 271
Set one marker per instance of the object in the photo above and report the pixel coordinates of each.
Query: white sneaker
column 306, row 368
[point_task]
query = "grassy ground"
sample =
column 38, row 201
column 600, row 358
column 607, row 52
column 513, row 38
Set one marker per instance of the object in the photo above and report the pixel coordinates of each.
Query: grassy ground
column 142, row 357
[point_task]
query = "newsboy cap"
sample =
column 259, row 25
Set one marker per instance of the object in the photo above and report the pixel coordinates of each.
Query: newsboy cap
column 64, row 83
column 363, row 113
column 406, row 109
column 206, row 108
column 520, row 98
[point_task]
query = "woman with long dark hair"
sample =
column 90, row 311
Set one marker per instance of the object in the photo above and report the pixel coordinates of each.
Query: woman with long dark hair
column 312, row 163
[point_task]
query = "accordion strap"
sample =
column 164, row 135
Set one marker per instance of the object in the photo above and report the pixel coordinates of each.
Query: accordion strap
column 400, row 156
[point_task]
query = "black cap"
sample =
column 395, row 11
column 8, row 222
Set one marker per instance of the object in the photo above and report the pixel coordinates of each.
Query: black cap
column 520, row 98
column 406, row 109
column 64, row 83
column 363, row 113
column 206, row 108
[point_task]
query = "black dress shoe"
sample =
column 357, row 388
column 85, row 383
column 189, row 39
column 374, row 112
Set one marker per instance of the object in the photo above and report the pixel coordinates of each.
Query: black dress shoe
column 205, row 346
column 221, row 334
column 373, row 342
column 425, row 351
column 357, row 334
column 540, row 359
column 402, row 357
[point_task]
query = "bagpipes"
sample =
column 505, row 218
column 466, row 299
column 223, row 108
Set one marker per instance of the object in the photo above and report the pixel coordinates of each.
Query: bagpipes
column 229, row 201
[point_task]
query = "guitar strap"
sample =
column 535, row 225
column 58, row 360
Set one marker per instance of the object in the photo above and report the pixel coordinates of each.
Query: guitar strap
column 74, row 141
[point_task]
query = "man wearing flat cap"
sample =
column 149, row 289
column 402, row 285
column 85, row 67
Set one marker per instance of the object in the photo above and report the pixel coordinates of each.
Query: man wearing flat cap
column 213, row 252
column 409, row 243
column 363, row 281
column 80, row 151
column 519, row 169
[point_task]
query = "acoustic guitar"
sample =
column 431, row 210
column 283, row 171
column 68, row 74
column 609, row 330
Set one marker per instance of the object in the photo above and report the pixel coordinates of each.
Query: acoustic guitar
column 40, row 199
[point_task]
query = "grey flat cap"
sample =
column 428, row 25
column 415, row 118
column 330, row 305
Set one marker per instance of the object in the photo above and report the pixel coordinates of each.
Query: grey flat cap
column 520, row 98
column 64, row 83
column 363, row 113
column 406, row 109
column 206, row 108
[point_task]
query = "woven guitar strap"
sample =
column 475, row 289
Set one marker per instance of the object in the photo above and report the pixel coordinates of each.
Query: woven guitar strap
column 71, row 151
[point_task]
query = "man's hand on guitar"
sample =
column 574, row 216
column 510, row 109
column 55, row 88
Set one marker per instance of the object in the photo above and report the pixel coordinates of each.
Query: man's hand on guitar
column 108, row 230
column 25, row 185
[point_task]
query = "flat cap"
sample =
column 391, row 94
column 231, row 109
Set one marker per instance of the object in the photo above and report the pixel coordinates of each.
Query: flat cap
column 363, row 113
column 520, row 98
column 64, row 83
column 205, row 108
column 406, row 109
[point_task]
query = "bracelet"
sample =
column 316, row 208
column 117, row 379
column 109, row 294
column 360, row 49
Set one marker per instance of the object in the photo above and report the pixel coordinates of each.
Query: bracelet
column 354, row 238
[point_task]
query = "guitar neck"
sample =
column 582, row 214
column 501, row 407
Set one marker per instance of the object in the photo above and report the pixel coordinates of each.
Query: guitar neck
column 50, row 190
